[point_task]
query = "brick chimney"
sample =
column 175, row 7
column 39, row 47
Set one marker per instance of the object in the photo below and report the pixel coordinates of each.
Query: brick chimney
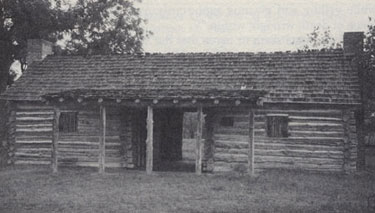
column 38, row 49
column 353, row 43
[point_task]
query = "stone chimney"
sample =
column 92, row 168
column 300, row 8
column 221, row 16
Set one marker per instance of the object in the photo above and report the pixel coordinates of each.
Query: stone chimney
column 353, row 43
column 38, row 49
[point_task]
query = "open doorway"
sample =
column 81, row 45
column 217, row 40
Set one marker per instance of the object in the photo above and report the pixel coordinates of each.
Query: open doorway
column 171, row 152
column 174, row 142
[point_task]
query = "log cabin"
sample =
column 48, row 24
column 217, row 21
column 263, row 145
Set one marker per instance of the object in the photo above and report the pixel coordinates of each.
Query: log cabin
column 255, row 111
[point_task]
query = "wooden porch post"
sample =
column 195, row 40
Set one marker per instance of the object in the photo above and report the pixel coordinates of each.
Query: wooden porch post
column 55, row 139
column 251, row 143
column 198, row 149
column 103, row 121
column 149, row 141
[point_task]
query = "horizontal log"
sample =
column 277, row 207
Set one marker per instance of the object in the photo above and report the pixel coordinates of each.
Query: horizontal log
column 88, row 137
column 18, row 141
column 45, row 162
column 34, row 118
column 317, row 128
column 34, row 129
column 228, row 137
column 79, row 164
column 308, row 167
column 231, row 131
column 297, row 160
column 36, row 122
column 277, row 146
column 76, row 158
column 309, row 113
column 35, row 106
column 314, row 124
column 19, row 113
column 301, row 153
column 244, row 151
column 314, row 118
column 33, row 155
column 34, row 137
column 226, row 157
column 92, row 164
column 110, row 145
column 33, row 134
column 78, row 143
column 37, row 125
column 231, row 144
column 38, row 149
column 326, row 141
column 114, row 159
column 75, row 150
column 299, row 133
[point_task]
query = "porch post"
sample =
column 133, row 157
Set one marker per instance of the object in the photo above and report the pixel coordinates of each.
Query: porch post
column 198, row 148
column 103, row 121
column 149, row 141
column 251, row 143
column 55, row 139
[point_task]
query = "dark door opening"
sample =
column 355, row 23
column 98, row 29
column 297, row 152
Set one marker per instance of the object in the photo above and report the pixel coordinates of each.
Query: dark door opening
column 172, row 149
column 168, row 141
column 139, row 135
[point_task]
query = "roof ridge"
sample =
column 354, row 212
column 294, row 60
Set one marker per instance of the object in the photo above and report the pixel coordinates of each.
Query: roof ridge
column 260, row 53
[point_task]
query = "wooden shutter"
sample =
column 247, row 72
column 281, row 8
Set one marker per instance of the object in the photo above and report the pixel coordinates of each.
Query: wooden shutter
column 277, row 125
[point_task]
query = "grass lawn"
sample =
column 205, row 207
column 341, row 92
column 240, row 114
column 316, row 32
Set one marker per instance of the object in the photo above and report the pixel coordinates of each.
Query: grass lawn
column 72, row 190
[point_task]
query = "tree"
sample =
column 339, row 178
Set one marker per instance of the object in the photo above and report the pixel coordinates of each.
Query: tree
column 24, row 19
column 368, row 63
column 20, row 20
column 106, row 26
column 87, row 27
column 321, row 38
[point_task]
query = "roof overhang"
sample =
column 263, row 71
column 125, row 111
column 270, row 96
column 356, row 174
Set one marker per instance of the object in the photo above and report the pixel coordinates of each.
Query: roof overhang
column 154, row 96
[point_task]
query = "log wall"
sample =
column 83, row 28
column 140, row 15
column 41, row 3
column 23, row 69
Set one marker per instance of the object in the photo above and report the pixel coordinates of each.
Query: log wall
column 30, row 137
column 11, row 137
column 81, row 148
column 33, row 135
column 322, row 140
column 231, row 142
column 315, row 141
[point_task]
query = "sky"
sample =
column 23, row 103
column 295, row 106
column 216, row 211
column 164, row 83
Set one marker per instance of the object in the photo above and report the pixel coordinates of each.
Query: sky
column 247, row 25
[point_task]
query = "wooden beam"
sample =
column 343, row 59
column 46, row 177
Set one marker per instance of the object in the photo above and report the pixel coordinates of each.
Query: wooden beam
column 198, row 149
column 251, row 143
column 149, row 141
column 103, row 121
column 55, row 139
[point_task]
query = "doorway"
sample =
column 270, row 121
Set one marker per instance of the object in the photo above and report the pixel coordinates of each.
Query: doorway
column 173, row 148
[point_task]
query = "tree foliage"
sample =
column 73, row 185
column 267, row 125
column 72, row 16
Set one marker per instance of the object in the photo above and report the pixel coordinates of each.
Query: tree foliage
column 368, row 62
column 87, row 27
column 106, row 26
column 321, row 38
column 24, row 19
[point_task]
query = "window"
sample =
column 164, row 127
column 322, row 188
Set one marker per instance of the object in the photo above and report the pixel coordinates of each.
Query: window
column 227, row 121
column 68, row 122
column 277, row 125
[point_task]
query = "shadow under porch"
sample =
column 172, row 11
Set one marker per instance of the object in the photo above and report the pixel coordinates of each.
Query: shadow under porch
column 170, row 151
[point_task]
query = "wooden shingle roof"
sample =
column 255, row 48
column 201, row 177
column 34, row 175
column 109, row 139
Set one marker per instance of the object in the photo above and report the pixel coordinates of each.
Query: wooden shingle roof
column 290, row 77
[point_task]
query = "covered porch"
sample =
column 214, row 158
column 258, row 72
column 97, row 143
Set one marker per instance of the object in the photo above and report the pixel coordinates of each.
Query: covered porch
column 155, row 122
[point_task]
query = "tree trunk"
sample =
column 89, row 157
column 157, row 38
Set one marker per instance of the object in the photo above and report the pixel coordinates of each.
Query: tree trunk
column 5, row 62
